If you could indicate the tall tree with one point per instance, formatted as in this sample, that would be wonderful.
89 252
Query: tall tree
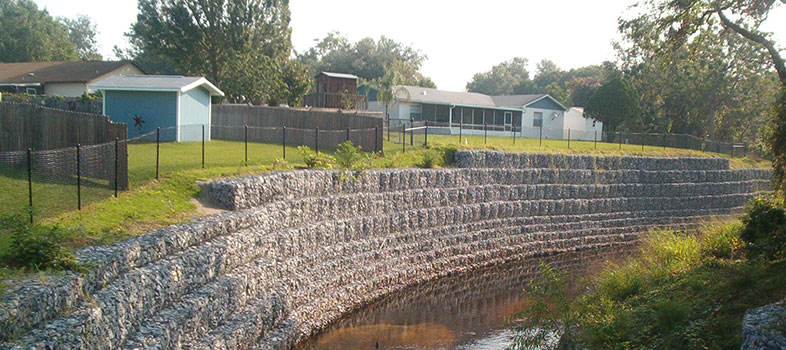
241 45
82 32
29 34
369 59
503 78
615 103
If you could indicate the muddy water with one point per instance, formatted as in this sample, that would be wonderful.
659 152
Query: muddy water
464 311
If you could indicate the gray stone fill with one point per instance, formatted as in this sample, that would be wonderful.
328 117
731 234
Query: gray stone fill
301 248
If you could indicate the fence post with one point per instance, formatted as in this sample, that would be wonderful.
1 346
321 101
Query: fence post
596 139
245 141
664 141
203 146
461 127
745 151
117 150
732 150
642 142
403 137
540 136
30 181
514 134
568 138
78 178
284 141
348 138
426 137
158 146
485 132
316 140
412 133
388 128
376 139
620 135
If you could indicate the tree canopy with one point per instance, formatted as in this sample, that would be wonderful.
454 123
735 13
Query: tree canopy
615 103
369 59
82 33
243 46
29 34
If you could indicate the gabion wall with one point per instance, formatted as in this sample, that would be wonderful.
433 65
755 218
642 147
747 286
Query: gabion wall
302 248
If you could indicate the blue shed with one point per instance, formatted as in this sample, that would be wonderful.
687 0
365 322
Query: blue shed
178 105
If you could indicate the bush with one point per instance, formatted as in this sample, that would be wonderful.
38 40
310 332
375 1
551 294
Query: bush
764 231
36 246
431 159
316 160
349 157
721 242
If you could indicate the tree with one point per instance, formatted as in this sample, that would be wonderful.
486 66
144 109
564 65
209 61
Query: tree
82 33
615 104
30 34
389 87
241 45
369 59
502 79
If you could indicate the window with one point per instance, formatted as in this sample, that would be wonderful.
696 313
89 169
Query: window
537 122
415 111
31 91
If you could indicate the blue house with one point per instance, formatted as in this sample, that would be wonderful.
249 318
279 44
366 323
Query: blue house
179 105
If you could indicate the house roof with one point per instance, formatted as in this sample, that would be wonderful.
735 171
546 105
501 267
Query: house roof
339 75
57 72
474 99
429 95
516 100
155 83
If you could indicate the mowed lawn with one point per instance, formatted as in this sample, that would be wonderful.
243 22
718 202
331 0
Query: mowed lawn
150 204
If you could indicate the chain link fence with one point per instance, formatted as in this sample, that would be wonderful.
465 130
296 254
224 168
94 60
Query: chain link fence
43 184
416 133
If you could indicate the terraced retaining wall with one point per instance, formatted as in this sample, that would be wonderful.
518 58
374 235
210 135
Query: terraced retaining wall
302 248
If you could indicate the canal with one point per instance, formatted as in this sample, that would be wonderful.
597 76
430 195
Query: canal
471 310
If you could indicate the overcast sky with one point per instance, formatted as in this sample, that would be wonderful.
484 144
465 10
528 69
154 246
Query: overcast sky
459 37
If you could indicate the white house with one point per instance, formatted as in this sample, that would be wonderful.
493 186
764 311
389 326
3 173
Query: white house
536 115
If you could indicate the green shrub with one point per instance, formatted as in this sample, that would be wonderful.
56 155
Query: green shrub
36 246
721 242
349 157
764 231
316 160
281 164
448 154
431 159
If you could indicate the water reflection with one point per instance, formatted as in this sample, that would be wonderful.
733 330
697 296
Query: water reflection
463 311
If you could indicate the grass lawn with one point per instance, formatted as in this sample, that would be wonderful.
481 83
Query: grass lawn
151 204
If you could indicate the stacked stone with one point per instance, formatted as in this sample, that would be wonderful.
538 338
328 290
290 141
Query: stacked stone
304 247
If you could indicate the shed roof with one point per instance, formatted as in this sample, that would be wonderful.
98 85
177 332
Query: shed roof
155 83
339 75
57 72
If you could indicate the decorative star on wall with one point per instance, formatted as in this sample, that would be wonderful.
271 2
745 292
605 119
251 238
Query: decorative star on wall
138 121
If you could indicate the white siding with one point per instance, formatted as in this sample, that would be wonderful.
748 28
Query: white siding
65 89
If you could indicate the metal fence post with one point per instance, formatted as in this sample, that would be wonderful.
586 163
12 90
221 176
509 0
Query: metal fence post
388 128
158 146
30 181
203 146
620 136
316 140
284 141
348 138
426 137
514 135
745 151
78 178
461 127
245 141
412 134
403 137
485 133
117 150
596 139
540 136
642 142
568 138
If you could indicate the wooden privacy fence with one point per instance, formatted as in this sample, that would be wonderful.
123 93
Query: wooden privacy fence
323 129
24 126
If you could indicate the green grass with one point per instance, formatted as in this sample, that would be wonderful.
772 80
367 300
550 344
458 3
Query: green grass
683 291
151 204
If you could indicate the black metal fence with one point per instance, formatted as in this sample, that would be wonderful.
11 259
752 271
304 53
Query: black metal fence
45 183
414 133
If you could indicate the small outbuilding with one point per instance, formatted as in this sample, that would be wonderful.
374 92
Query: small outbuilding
179 105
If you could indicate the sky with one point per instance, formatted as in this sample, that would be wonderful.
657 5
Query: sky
460 38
